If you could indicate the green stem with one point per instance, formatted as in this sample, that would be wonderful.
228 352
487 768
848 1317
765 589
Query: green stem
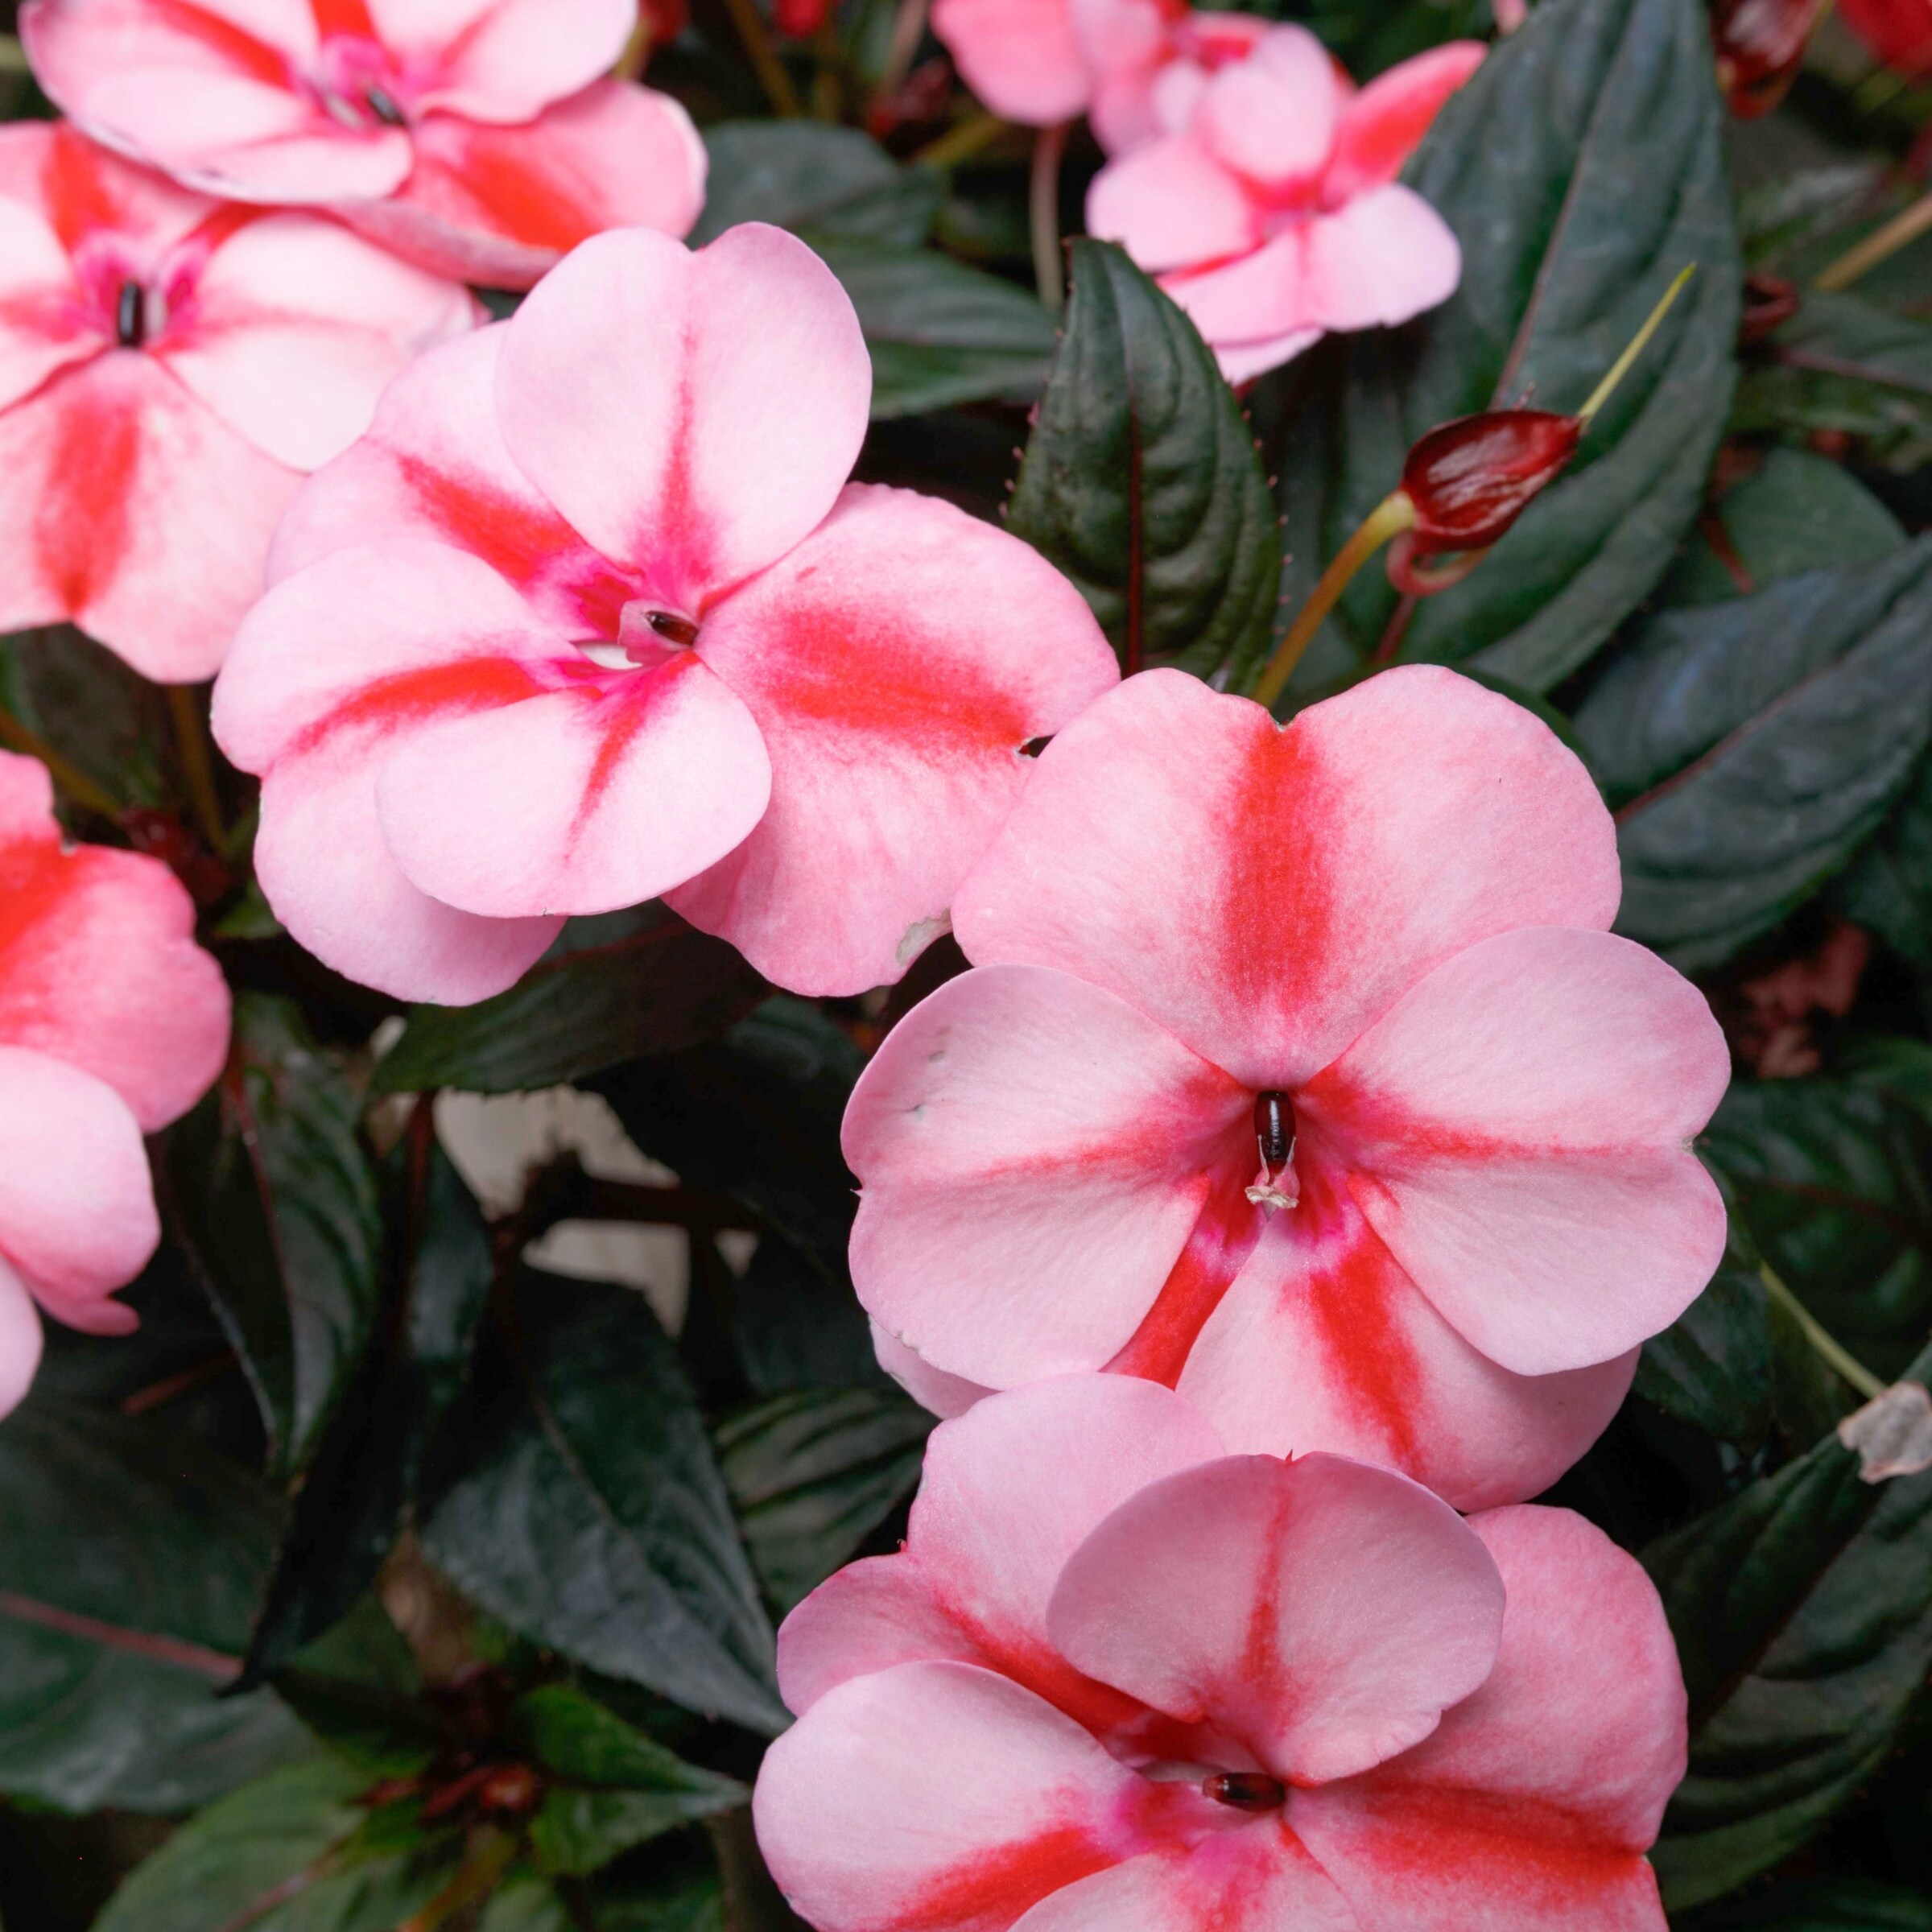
68 775
1833 1353
1878 246
1043 213
961 142
1392 516
197 763
908 29
764 64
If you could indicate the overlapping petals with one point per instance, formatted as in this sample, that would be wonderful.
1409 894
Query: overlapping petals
1392 914
1302 226
168 370
606 622
112 1022
475 137
1172 1688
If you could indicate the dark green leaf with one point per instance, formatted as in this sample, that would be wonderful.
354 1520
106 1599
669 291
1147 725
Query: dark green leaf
941 333
622 986
84 701
1802 1610
1754 746
1582 167
351 1502
275 1197
820 181
1888 888
1836 1181
681 1901
589 1515
1780 215
281 1855
615 1786
1825 1905
130 1557
526 1902
1142 481
811 1473
1711 1367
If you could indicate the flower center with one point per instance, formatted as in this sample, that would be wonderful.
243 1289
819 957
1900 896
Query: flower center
130 315
355 85
1245 1790
1278 1184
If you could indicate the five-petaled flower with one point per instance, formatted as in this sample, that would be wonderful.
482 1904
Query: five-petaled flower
1386 924
474 137
593 615
168 368
112 1022
1120 1680
1267 204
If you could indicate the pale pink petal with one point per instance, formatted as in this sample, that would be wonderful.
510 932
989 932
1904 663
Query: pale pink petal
1171 203
46 321
77 1215
1021 57
503 60
1122 112
434 466
1516 1129
500 206
128 507
1382 258
1347 1609
20 1339
297 326
98 963
939 1796
1535 1803
1243 361
1253 1877
1264 893
695 415
1323 1343
897 662
1383 125
944 1395
1034 1155
1273 117
584 800
1124 43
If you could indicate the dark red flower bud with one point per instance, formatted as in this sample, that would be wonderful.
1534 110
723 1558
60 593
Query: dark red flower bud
510 1791
1761 45
1769 300
921 97
1471 479
666 20
161 836
799 20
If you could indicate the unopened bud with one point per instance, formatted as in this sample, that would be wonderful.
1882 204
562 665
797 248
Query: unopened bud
799 20
1760 45
1471 479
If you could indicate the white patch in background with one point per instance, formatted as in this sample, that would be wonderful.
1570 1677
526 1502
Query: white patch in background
1892 1435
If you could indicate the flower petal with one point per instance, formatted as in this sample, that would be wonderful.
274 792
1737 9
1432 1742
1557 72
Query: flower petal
21 1340
1383 124
1273 117
77 1215
1516 1128
1535 1803
939 1796
1323 1343
695 415
1021 57
1379 259
44 321
1243 361
1321 1614
131 508
98 963
298 325
1034 1155
896 661
1171 203
580 800
503 60
501 205
1264 893
946 1396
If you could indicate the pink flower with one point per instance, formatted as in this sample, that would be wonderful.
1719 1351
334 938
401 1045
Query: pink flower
1381 933
1266 202
593 615
474 137
1120 1680
112 1022
167 369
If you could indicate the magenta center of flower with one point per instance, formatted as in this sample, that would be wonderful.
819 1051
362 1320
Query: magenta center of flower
355 83
1278 1185
1245 1790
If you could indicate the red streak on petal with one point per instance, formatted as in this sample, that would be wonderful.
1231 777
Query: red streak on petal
36 878
343 17
73 179
532 196
238 48
80 525
412 696
988 1893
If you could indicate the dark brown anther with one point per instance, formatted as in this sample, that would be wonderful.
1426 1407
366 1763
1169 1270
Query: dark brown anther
1245 1790
1274 1129
130 315
673 629
382 104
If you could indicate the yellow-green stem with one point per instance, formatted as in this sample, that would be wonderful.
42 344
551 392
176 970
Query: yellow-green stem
1043 213
197 763
1637 344
1878 246
1830 1351
490 1855
764 64
637 50
1390 517
68 775
961 142
908 29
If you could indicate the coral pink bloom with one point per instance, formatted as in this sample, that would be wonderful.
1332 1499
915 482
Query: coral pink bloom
1150 60
1376 937
593 615
1267 203
167 369
112 1022
474 137
1120 1680
1898 31
1021 57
